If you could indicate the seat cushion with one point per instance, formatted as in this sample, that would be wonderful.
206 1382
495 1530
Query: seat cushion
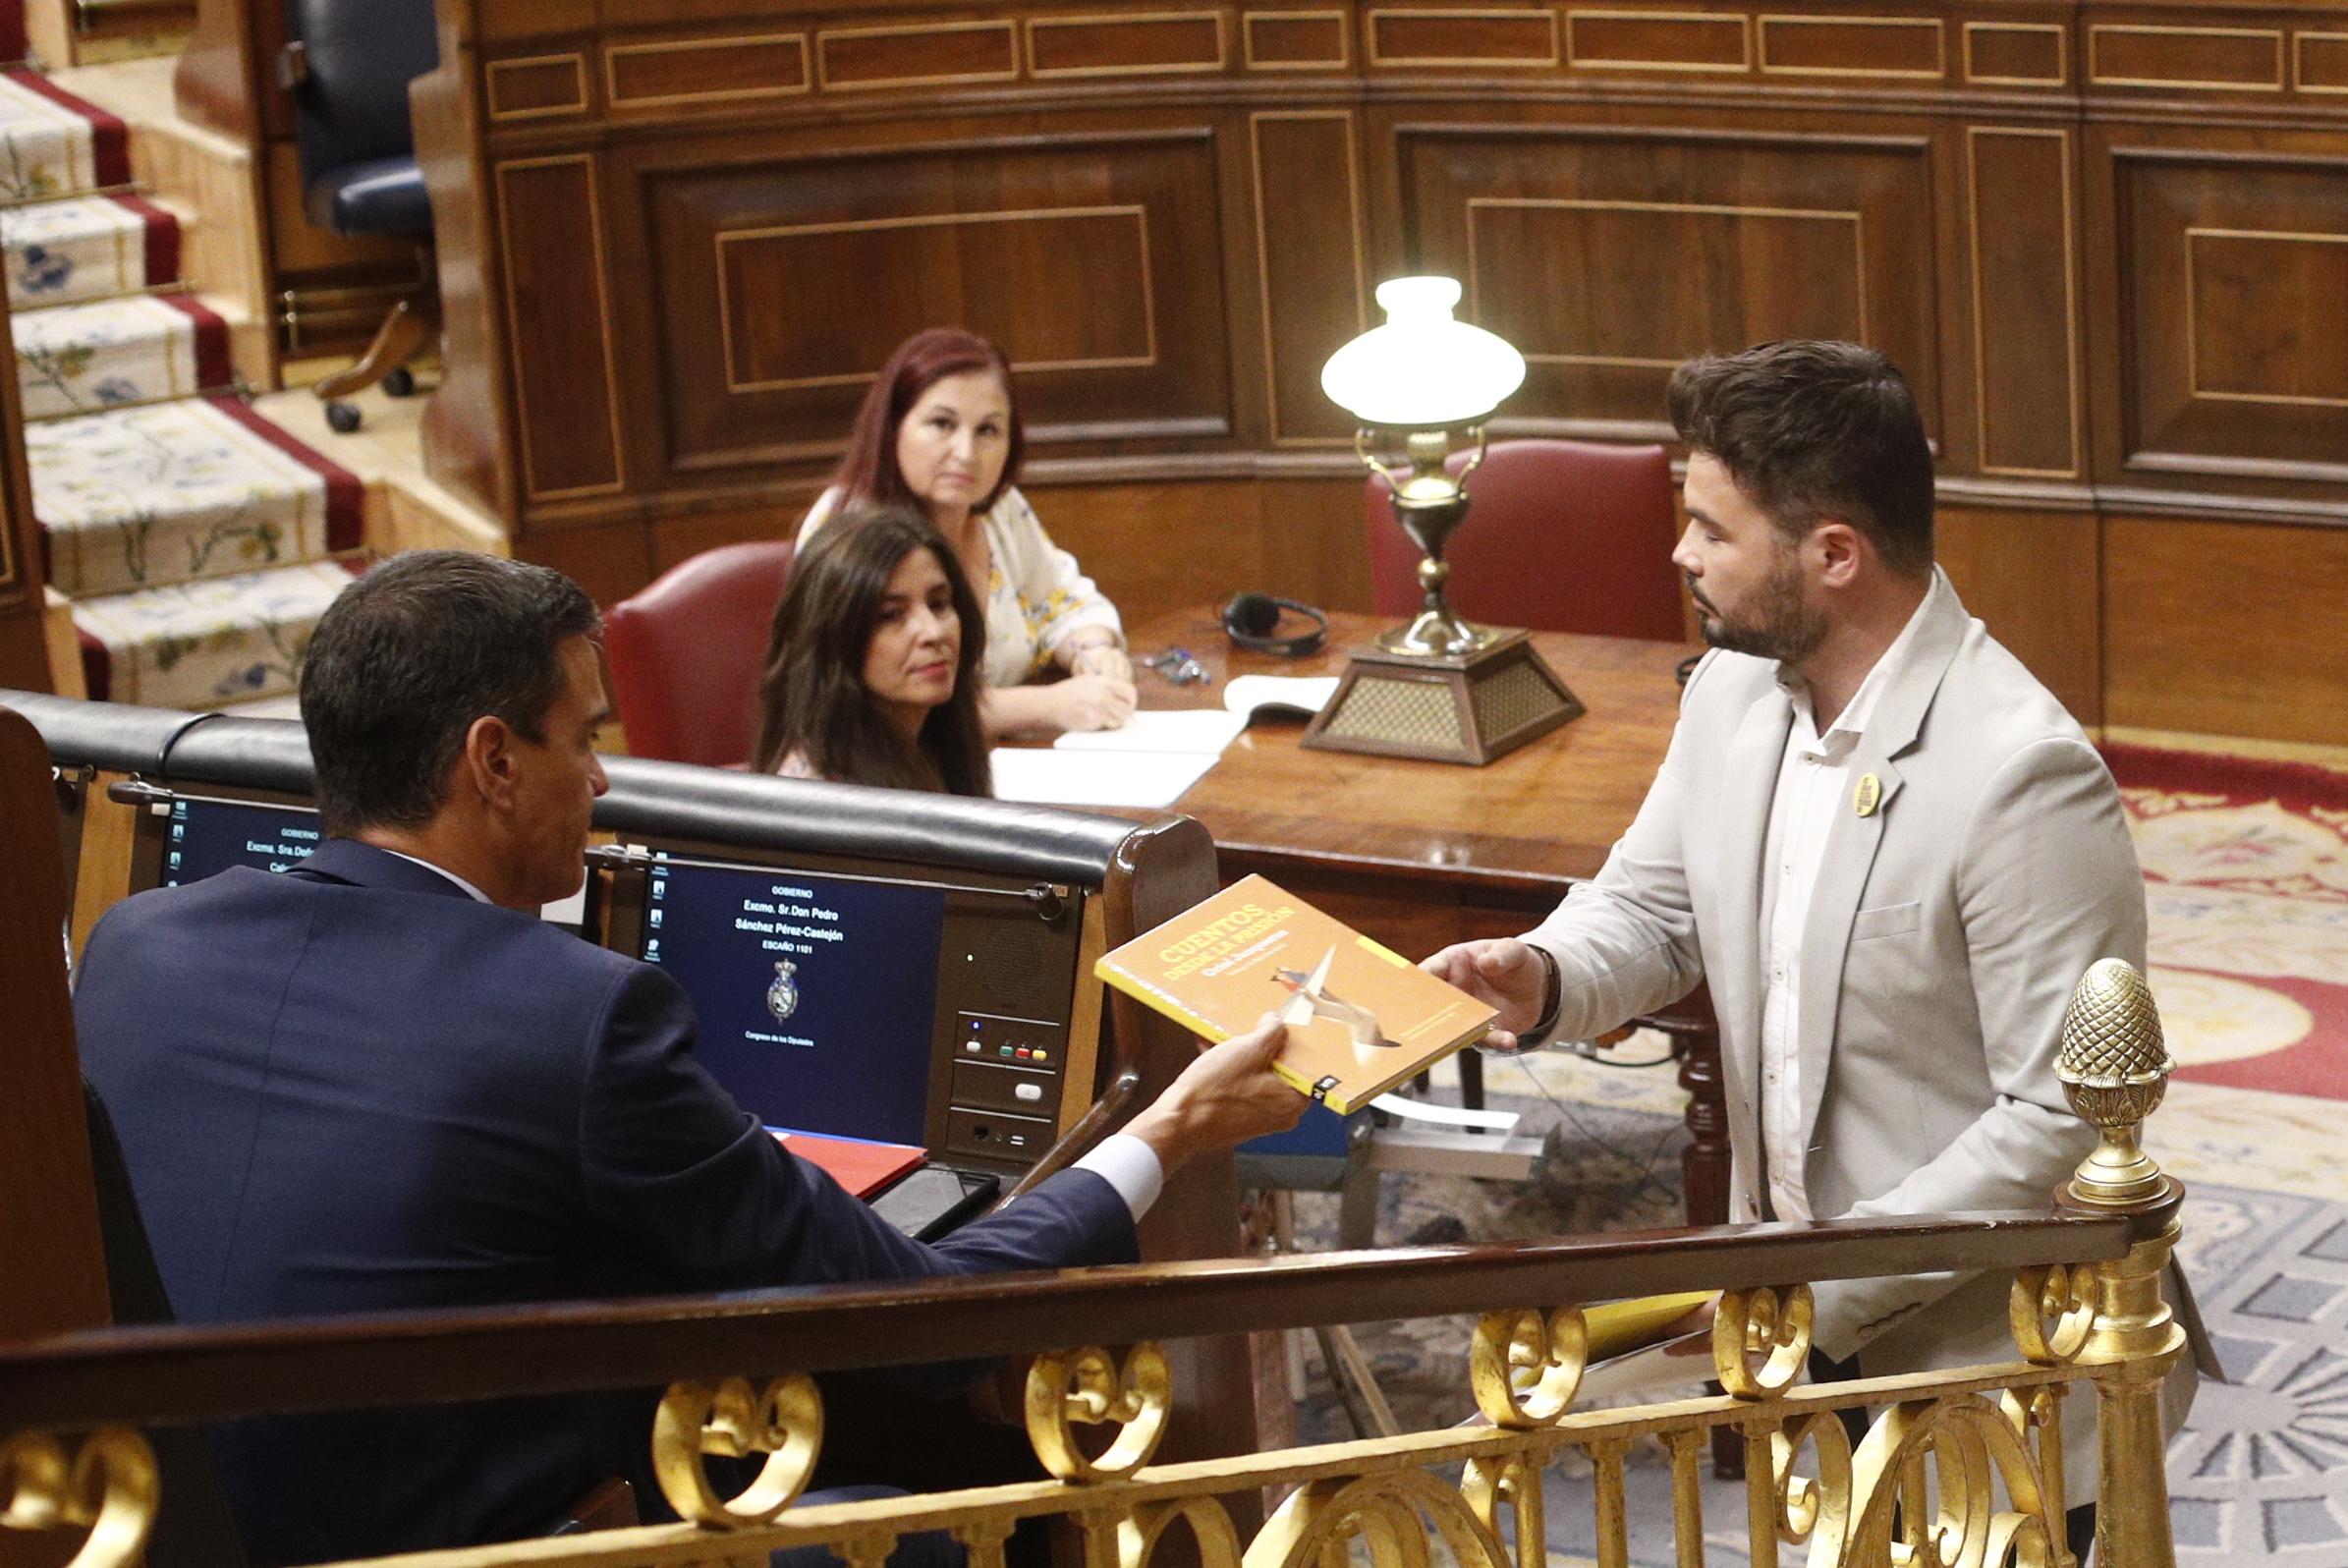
381 196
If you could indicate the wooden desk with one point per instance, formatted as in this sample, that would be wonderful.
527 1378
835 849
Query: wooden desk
1421 855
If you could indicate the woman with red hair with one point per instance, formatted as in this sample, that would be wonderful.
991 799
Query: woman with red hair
940 431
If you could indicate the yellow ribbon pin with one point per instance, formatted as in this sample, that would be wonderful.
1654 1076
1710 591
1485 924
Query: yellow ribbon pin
1867 796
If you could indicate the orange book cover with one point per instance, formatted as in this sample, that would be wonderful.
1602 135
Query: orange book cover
863 1167
1361 1018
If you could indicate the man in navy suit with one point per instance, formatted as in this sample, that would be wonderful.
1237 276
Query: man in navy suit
380 1082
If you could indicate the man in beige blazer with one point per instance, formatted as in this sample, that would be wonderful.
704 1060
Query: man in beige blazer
1883 841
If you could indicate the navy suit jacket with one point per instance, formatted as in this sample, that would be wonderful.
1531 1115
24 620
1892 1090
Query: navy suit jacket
353 1088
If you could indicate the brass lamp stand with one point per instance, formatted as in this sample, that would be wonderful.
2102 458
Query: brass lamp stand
1442 687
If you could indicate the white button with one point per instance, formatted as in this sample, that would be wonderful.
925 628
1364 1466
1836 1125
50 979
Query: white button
1028 1091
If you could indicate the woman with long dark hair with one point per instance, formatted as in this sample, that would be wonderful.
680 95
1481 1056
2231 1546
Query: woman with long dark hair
872 671
940 433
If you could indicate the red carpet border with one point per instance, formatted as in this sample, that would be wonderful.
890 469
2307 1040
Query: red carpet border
2245 877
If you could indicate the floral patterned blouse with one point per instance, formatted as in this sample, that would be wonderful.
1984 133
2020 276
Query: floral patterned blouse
1036 597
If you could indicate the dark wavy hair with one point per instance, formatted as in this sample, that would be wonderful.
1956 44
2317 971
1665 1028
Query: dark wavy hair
812 695
1816 429
868 470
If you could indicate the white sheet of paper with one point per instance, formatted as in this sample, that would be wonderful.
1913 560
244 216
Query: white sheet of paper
1198 731
1310 693
1095 778
1419 1110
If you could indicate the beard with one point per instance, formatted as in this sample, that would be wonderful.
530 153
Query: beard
1779 626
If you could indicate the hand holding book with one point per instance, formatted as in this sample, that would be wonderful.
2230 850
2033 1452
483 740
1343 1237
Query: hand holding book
1228 1096
1506 975
1360 1019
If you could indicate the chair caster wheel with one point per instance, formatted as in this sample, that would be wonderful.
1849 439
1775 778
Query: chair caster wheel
342 417
400 383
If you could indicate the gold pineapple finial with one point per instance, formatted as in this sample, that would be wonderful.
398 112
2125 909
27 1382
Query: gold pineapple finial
2114 1068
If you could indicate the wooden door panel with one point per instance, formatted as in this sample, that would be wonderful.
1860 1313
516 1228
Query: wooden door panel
1610 255
785 279
2233 271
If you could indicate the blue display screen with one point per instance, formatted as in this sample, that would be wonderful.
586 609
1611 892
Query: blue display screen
815 995
205 837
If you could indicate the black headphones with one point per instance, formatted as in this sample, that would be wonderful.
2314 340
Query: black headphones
1251 617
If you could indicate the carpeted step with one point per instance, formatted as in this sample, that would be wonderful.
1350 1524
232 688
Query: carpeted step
53 144
87 247
201 644
175 491
78 358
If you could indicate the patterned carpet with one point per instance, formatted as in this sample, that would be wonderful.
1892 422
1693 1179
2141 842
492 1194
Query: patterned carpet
2247 876
194 537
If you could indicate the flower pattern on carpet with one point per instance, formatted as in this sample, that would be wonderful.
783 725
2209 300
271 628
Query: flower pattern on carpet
166 493
83 247
2245 885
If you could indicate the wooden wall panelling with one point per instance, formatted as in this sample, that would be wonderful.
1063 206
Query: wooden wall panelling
610 560
2226 627
1658 40
1495 38
1095 256
469 438
917 55
2227 341
538 87
717 71
216 82
775 516
1314 545
2015 54
1161 545
2199 58
2021 215
1769 235
1915 49
2034 578
2319 62
1126 43
1296 40
1306 193
551 243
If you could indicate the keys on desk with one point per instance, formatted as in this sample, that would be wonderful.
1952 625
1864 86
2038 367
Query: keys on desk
1179 665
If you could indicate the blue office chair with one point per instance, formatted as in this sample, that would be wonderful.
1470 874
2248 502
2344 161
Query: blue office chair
348 66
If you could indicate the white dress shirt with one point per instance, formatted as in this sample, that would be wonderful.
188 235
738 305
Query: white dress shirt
1121 1159
1815 781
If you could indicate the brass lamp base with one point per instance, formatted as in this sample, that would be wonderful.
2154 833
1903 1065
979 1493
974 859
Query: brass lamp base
1467 708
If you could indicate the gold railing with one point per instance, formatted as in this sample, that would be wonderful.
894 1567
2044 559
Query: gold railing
1960 1467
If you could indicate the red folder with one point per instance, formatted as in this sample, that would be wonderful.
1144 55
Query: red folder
862 1165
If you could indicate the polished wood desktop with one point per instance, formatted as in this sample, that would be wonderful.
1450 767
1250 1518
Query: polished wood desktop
1420 854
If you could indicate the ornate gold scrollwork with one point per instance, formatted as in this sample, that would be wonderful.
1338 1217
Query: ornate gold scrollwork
1968 1447
1086 1386
1813 1508
783 1421
1386 1511
1138 1533
2053 1309
1525 1368
109 1489
1761 1339
1511 1482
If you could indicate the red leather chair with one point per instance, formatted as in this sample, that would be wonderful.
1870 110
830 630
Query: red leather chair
684 653
1560 537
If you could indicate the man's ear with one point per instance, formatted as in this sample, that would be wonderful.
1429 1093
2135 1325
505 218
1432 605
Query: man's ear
489 762
1840 547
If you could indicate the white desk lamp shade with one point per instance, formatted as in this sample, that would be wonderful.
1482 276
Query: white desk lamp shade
1423 371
